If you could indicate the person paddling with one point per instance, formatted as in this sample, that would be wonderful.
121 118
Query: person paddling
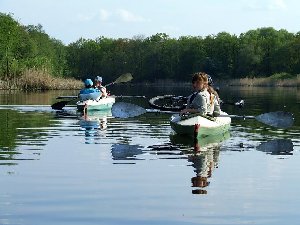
199 100
98 85
214 108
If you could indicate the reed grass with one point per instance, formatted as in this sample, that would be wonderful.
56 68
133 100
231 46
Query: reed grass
272 81
40 80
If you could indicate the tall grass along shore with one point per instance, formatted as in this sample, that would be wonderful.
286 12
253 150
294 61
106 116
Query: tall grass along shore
41 80
281 80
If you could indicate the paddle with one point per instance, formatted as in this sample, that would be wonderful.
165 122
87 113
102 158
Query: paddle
121 79
277 119
177 103
116 96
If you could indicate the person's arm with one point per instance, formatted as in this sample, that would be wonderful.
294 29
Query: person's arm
102 89
198 105
217 108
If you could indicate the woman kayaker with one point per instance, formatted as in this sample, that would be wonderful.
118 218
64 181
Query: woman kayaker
214 100
98 85
199 100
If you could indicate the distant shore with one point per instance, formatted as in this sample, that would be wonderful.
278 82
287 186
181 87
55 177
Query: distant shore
41 81
243 82
264 82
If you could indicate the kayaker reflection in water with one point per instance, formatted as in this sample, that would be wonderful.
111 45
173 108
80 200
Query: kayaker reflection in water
202 101
204 163
94 126
99 86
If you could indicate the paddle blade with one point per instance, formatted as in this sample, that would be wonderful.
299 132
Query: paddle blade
124 78
59 105
126 110
278 119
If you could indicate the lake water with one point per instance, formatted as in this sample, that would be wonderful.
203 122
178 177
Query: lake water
62 169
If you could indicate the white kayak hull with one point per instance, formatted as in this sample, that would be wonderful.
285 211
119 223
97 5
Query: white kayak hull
101 104
196 125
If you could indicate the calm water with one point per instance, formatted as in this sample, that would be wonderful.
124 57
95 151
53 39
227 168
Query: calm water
63 169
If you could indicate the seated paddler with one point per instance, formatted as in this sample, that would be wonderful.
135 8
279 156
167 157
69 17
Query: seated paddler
213 107
89 92
98 85
200 99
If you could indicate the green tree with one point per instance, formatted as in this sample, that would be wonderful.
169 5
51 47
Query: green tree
15 45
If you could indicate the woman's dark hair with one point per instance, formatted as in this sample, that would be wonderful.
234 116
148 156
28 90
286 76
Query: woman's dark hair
200 76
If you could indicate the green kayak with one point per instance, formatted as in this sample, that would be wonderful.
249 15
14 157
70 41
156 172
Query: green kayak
200 126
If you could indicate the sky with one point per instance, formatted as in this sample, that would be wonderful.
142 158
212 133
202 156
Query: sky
70 20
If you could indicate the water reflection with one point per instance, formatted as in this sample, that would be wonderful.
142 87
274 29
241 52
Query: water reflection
72 181
277 147
202 153
167 151
94 123
204 159
22 135
125 152
199 144
203 162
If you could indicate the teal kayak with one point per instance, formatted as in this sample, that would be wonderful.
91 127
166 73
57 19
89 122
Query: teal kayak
99 104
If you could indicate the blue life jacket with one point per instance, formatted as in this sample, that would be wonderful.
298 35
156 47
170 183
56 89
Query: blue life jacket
89 93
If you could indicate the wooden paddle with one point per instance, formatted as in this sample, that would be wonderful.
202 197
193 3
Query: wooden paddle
121 79
277 119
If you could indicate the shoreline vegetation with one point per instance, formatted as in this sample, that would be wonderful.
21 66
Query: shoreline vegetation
32 60
276 80
41 80
265 82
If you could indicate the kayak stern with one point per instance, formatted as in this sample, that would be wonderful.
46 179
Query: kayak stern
200 126
92 105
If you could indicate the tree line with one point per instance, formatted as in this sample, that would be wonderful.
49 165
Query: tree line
256 53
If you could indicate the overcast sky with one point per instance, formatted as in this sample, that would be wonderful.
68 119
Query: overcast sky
69 20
